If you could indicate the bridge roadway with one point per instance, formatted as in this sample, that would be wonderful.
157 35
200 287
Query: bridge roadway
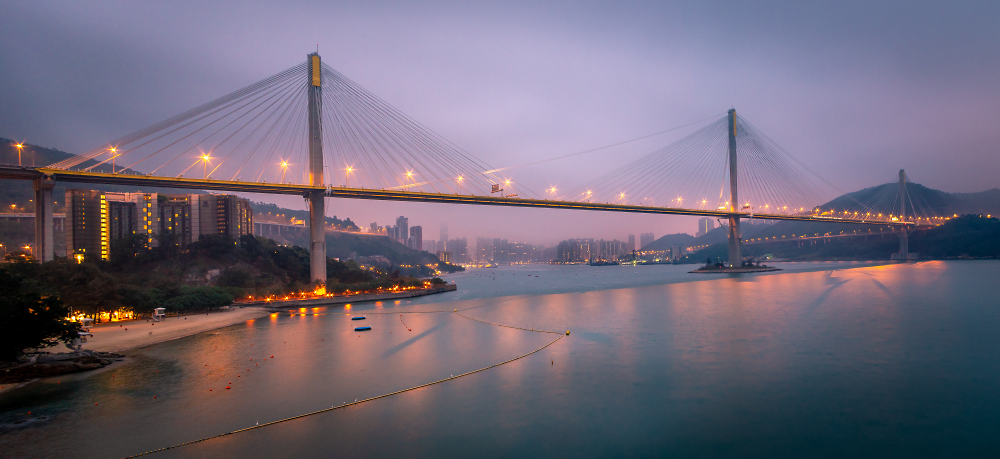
772 240
29 173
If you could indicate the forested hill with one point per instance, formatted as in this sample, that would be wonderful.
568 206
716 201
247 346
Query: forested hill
926 201
968 236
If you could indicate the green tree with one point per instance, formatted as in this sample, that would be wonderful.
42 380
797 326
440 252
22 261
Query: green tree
30 320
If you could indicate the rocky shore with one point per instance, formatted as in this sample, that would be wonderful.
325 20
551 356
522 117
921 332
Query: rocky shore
47 365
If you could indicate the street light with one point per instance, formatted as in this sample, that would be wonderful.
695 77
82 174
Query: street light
284 167
113 150
347 173
20 147
205 158
460 178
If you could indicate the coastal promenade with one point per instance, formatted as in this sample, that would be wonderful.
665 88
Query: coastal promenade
130 334
346 299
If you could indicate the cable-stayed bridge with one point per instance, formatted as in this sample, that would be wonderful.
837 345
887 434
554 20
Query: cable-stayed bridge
313 132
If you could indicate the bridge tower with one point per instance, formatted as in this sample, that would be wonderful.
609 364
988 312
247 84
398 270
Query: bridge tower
317 232
904 239
735 241
44 242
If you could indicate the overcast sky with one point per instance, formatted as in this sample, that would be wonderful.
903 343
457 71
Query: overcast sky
852 89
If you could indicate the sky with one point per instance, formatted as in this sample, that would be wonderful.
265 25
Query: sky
854 90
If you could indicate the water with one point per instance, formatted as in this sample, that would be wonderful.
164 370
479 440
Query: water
821 360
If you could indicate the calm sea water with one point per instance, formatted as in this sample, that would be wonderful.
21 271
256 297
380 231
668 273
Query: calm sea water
821 360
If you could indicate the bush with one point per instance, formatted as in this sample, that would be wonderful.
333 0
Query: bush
140 299
30 321
192 298
235 277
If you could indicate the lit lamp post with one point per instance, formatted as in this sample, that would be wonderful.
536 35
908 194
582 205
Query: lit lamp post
347 173
553 191
284 167
113 150
28 248
409 176
4 249
460 178
20 147
205 158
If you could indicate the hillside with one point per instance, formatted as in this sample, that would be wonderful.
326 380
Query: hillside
926 201
968 236
670 240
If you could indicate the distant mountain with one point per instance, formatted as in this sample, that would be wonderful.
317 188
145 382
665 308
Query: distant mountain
926 201
31 154
717 235
20 193
670 240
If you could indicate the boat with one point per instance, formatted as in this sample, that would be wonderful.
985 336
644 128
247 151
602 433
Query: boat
358 318
362 328
600 262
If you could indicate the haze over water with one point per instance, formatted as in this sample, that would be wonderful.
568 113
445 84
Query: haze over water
821 360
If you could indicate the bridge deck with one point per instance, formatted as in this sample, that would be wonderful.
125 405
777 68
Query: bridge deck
28 173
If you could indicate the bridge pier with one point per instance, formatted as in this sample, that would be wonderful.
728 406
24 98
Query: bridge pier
735 240
904 240
44 241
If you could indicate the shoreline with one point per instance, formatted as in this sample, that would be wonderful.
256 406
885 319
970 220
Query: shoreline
359 298
116 336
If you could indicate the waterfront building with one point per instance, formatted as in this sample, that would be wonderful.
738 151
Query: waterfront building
484 250
459 250
705 224
96 218
402 229
416 239
645 239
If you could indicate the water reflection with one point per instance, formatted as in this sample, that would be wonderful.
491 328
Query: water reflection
899 360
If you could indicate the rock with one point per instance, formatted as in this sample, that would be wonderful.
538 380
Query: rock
58 364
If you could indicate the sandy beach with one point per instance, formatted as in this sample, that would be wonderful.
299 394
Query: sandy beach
121 336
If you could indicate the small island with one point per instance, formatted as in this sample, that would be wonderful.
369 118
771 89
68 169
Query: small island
746 267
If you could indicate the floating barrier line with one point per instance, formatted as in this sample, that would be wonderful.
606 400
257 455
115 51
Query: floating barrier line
561 336
508 326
